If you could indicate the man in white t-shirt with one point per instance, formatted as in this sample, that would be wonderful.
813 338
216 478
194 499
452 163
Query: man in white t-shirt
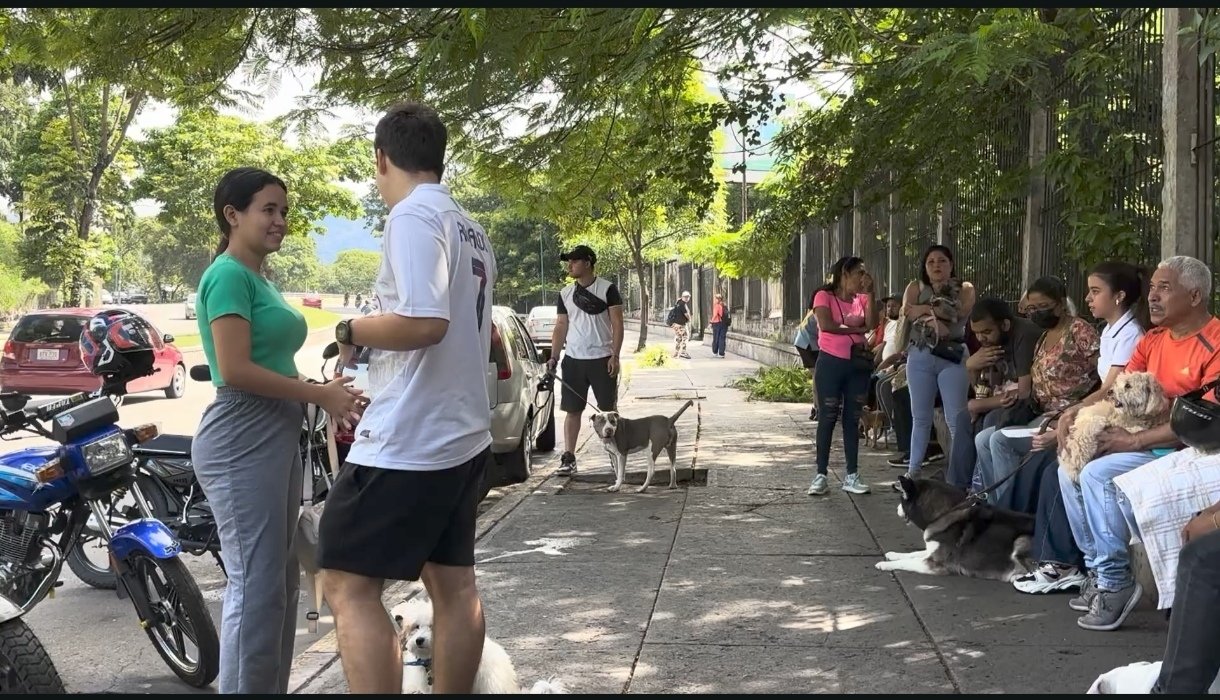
404 504
589 329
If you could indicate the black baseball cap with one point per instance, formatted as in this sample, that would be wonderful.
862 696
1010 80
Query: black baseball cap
580 252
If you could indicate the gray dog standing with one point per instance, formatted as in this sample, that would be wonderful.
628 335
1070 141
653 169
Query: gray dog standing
623 436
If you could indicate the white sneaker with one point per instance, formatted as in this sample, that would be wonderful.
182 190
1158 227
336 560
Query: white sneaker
819 487
852 484
1048 578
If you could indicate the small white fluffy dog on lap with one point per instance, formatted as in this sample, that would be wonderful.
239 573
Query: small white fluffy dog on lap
496 673
1138 403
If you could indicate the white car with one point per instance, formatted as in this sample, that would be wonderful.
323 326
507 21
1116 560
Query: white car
541 323
522 417
189 306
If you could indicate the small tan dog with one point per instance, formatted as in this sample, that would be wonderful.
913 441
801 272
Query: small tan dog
1137 403
874 427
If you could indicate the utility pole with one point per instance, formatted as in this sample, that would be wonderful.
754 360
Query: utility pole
744 145
541 270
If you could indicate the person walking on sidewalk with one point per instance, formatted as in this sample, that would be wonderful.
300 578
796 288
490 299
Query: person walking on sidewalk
589 330
245 449
679 320
404 504
806 344
720 324
845 313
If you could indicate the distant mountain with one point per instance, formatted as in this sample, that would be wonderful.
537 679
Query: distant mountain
344 234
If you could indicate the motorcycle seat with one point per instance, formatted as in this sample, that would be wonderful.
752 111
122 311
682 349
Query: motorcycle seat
165 446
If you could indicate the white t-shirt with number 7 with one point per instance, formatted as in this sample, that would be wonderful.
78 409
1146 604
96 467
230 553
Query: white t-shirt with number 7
429 407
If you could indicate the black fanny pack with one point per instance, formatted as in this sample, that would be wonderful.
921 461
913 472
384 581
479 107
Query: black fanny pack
587 301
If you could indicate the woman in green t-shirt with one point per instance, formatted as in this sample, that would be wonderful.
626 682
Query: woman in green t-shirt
246 448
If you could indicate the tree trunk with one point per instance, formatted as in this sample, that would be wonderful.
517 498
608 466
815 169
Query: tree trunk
639 273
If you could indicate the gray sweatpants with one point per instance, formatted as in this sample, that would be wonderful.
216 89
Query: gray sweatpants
247 459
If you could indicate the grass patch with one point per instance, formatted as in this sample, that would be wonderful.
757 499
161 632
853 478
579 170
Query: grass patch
653 356
782 384
316 318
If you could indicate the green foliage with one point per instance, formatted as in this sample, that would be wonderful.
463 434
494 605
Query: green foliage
354 271
212 144
653 356
785 384
16 290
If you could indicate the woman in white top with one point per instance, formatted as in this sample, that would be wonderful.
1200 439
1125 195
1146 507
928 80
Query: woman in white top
1118 295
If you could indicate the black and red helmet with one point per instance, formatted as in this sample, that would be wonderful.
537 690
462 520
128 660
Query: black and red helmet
118 345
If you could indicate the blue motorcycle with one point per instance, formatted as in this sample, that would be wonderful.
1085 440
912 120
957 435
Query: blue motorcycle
47 495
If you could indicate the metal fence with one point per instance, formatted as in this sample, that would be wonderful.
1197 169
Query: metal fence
1131 104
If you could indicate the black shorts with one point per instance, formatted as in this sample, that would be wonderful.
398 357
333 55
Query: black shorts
579 376
388 523
809 358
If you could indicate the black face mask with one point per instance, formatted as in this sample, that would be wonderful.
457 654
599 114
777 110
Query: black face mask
1045 318
892 316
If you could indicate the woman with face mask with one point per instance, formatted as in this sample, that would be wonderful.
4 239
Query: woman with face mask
1064 372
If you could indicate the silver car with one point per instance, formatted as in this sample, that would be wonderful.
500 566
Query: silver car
541 323
522 416
189 306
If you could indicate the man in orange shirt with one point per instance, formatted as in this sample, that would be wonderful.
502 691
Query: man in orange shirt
720 325
1183 352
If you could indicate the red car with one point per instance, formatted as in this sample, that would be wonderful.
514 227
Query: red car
42 356
312 302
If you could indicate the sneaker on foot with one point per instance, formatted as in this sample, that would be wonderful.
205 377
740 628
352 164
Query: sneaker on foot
901 461
1088 589
567 464
819 487
852 484
1110 608
1049 577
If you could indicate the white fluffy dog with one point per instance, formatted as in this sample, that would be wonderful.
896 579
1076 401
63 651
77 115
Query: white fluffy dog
1138 403
496 673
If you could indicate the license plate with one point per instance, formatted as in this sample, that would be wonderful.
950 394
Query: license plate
48 355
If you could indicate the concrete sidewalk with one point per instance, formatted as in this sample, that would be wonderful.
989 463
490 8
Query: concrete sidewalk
746 584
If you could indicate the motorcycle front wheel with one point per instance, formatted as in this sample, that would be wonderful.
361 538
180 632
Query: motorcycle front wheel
181 628
25 667
90 558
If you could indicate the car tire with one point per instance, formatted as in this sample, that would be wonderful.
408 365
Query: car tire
546 440
516 464
177 385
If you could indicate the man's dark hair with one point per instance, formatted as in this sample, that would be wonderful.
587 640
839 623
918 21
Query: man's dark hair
992 308
413 137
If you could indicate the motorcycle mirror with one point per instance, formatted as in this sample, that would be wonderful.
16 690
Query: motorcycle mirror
14 401
331 351
201 373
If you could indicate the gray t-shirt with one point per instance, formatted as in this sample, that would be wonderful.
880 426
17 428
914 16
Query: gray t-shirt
1019 349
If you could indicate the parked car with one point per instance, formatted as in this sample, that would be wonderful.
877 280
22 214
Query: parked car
541 323
189 306
133 297
313 302
42 356
522 418
107 298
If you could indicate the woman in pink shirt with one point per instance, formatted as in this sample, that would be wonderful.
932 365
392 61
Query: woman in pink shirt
844 312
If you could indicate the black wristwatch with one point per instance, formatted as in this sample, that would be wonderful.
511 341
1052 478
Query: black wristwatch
343 332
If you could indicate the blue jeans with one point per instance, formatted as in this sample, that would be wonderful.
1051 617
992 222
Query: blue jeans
927 373
998 455
719 331
1101 519
841 389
